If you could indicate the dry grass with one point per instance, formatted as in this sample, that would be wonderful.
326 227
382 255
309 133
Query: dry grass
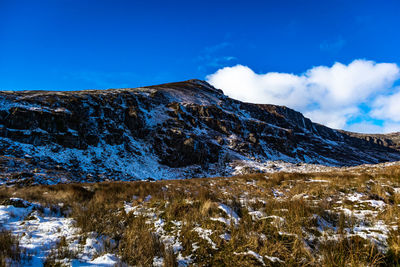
298 215
139 245
353 251
10 251
60 251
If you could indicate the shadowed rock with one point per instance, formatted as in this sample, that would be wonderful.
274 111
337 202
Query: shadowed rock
181 129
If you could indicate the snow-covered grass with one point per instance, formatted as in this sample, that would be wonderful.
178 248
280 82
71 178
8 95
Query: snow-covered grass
346 217
41 232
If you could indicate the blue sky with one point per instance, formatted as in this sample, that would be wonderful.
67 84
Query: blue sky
72 45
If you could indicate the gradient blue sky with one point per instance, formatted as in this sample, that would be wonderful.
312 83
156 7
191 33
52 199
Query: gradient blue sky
72 45
65 44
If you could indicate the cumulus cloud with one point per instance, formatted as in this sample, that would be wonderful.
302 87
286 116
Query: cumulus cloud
370 127
387 107
329 95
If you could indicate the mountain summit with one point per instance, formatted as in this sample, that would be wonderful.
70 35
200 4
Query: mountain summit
175 130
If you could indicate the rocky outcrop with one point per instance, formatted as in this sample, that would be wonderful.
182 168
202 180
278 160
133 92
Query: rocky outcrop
391 140
172 130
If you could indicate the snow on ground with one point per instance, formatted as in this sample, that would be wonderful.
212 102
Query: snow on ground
317 181
205 234
230 212
253 254
277 164
40 230
105 260
274 259
169 239
256 215
358 198
158 262
362 209
225 236
94 245
277 194
115 158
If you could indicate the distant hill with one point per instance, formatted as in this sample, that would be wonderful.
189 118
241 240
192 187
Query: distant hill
176 130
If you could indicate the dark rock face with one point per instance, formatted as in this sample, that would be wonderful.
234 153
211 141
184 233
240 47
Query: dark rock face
391 140
173 130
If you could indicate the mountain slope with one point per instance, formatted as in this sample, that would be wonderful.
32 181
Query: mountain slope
175 130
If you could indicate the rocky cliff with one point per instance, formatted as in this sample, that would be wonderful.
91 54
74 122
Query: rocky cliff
175 130
391 140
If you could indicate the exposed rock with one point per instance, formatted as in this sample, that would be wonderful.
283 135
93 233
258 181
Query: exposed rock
171 130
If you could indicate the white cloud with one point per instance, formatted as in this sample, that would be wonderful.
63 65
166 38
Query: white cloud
391 127
333 118
369 127
387 107
328 95
366 127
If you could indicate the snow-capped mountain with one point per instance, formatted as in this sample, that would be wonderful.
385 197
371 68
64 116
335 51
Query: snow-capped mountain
176 130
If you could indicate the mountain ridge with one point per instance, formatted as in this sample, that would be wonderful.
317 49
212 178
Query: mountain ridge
174 130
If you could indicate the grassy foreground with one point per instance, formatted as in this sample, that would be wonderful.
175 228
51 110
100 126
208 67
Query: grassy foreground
338 218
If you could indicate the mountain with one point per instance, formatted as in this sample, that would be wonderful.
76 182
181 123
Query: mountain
175 130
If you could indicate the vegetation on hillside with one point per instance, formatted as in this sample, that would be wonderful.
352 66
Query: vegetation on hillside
338 218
